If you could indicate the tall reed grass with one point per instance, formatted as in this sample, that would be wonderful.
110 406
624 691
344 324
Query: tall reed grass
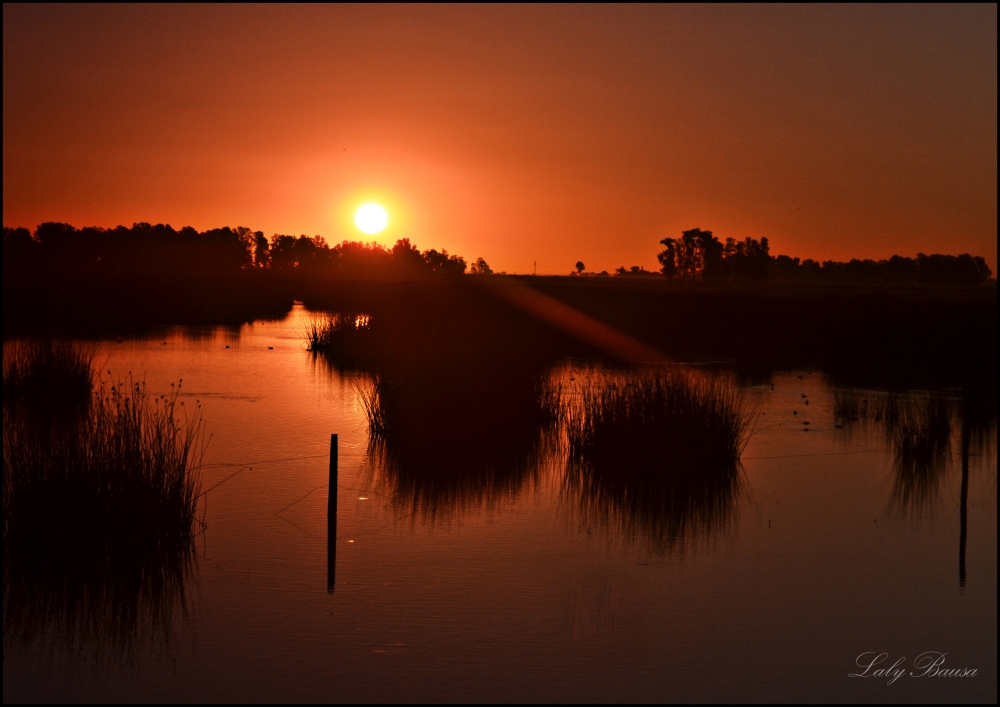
133 462
658 453
46 375
659 422
332 332
97 518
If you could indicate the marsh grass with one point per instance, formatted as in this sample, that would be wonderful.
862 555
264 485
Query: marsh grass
658 452
47 376
658 420
98 520
338 332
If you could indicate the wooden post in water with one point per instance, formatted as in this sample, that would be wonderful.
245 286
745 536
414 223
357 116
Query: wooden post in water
331 521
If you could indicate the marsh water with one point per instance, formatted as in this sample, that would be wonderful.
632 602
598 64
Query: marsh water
835 542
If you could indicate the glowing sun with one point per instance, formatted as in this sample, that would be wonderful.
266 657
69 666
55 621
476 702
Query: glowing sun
371 218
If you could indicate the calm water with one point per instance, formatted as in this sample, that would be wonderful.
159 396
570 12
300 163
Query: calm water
527 592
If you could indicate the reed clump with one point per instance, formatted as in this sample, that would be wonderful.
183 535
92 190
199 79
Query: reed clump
662 421
132 463
47 376
98 519
658 452
338 333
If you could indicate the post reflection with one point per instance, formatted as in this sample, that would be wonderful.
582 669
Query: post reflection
979 420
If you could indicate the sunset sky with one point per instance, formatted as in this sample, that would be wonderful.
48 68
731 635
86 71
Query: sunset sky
519 134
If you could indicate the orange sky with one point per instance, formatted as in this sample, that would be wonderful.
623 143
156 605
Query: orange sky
518 134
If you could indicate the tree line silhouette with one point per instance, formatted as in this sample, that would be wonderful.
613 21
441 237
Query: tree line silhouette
161 248
697 256
62 280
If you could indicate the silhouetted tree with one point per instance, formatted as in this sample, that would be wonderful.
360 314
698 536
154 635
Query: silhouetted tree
301 252
261 250
406 257
355 259
668 257
697 254
18 246
480 268
443 263
746 260
579 267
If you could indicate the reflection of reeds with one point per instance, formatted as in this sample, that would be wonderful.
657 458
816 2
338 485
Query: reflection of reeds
917 427
369 393
97 520
921 437
659 452
439 442
450 388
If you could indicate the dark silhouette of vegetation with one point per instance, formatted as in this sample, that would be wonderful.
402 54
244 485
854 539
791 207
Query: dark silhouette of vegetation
47 376
480 267
860 336
160 249
699 255
732 301
338 332
658 451
439 444
62 279
455 401
696 255
634 271
97 517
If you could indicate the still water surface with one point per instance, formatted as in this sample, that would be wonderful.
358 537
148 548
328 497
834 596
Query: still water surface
530 594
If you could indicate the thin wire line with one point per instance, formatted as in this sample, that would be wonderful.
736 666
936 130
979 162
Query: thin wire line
818 454
267 461
301 499
224 480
